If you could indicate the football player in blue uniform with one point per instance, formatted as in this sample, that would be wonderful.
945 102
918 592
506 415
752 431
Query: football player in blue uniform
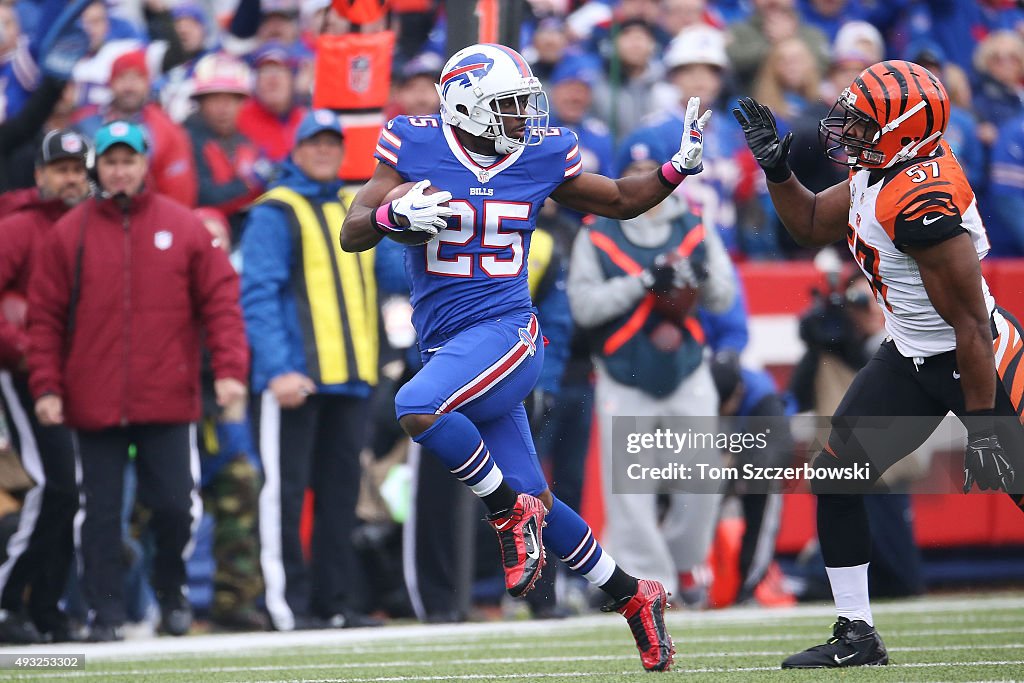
495 160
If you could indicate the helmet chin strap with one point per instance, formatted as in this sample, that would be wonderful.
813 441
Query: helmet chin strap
504 145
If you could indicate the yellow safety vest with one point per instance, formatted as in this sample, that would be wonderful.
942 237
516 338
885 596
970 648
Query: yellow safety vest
335 291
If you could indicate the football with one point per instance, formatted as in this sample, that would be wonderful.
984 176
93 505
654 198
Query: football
409 237
678 304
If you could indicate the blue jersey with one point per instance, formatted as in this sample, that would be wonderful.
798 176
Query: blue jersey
476 268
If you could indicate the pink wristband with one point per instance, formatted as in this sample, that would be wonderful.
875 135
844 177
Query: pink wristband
669 172
383 219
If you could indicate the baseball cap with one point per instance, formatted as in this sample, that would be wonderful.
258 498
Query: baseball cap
637 22
129 61
286 8
317 121
860 34
583 68
188 10
424 64
272 52
697 45
62 144
646 144
221 73
120 133
925 51
550 23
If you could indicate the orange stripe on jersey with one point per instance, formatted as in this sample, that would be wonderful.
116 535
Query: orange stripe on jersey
938 175
1018 388
1013 345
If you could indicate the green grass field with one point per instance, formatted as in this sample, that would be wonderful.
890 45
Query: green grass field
960 638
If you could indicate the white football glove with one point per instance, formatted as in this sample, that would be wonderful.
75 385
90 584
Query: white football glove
423 212
691 148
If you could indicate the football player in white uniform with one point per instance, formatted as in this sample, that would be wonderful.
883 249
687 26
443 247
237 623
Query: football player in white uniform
911 221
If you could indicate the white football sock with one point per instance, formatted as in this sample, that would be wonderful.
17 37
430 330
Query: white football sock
850 591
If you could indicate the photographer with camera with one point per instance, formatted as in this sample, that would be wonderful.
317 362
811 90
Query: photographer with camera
842 330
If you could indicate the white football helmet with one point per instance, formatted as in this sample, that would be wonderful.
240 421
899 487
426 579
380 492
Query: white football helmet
477 80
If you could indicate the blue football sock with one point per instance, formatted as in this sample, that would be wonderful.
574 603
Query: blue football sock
457 442
572 538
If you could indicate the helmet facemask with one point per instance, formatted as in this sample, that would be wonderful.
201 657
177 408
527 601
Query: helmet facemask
502 116
849 136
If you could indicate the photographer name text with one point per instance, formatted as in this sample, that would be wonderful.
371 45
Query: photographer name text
705 472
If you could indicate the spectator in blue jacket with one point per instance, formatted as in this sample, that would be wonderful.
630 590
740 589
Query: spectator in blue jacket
1006 196
311 314
999 94
572 94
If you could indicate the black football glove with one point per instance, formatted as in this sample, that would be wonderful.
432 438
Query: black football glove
985 463
660 277
758 124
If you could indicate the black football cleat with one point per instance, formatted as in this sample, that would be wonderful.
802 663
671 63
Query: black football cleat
853 643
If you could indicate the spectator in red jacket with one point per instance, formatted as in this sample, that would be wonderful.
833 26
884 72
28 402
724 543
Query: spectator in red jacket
123 287
39 554
171 165
272 116
231 168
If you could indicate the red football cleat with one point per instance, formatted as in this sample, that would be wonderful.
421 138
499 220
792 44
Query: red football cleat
645 613
522 549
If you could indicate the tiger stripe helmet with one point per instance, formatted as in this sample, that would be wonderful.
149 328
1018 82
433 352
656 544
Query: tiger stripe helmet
892 112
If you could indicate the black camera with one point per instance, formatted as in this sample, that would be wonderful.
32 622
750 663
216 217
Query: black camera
826 327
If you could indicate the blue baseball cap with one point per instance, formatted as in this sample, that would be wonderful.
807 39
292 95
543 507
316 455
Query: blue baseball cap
424 64
272 52
188 10
317 121
120 133
582 68
644 145
925 50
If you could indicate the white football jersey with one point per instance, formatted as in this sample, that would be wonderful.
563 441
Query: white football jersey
922 203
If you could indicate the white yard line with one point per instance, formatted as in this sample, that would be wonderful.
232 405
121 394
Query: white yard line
479 661
245 644
577 674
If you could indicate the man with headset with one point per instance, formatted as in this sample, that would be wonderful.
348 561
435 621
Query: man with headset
40 550
122 290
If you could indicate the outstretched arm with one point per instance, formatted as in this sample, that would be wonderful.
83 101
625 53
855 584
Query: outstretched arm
814 220
631 196
623 198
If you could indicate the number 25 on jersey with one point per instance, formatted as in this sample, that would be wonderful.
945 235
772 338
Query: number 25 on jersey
507 263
